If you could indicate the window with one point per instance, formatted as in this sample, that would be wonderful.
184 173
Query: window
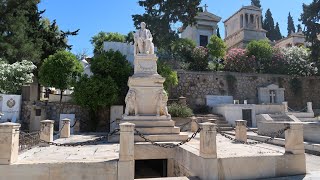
203 41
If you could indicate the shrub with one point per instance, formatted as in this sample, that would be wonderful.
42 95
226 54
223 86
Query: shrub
182 49
278 63
171 76
262 51
200 59
13 76
177 110
298 61
237 60
217 47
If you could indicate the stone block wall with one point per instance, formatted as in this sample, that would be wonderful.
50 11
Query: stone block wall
196 85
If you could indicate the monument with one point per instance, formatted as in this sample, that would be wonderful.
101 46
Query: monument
146 100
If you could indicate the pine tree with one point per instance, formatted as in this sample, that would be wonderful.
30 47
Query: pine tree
268 25
291 28
256 3
278 34
218 33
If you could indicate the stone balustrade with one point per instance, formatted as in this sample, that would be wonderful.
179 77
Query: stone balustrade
241 130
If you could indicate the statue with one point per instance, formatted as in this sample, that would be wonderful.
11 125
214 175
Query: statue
131 105
162 103
143 41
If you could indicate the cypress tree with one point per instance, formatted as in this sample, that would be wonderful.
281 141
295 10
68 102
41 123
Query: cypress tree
218 33
278 34
268 25
256 3
291 28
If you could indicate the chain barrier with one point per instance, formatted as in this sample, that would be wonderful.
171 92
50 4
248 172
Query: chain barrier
184 125
28 140
167 145
58 132
248 128
90 142
273 135
301 110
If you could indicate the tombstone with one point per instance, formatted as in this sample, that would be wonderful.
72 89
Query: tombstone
271 94
10 107
72 120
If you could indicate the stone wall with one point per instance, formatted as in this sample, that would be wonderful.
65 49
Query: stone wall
196 85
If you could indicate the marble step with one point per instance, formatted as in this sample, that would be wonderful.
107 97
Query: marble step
158 130
156 138
152 123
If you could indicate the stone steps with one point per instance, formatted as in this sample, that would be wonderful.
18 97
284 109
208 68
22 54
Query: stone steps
156 138
225 128
309 119
152 123
158 130
172 178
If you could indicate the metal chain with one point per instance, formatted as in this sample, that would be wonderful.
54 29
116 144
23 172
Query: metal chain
168 145
274 135
90 142
185 124
248 128
58 132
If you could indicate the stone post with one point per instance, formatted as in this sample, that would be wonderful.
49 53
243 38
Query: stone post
126 153
309 107
241 130
9 143
208 147
285 107
183 101
194 125
65 131
46 131
245 101
294 139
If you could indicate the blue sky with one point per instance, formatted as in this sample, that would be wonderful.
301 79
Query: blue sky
94 16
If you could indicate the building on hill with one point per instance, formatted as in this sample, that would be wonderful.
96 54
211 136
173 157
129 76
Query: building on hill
206 26
294 39
244 26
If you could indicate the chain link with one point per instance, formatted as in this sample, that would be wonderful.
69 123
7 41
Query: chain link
273 135
168 145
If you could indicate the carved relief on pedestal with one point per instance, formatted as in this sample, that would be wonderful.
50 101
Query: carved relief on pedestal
162 109
131 103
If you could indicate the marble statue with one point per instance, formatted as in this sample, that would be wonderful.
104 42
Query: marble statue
162 103
131 103
143 41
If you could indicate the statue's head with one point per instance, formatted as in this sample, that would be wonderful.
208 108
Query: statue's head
143 25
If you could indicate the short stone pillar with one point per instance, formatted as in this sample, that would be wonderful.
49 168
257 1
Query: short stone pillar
245 101
241 130
194 124
46 131
65 131
309 107
208 146
9 143
294 143
126 153
285 104
182 101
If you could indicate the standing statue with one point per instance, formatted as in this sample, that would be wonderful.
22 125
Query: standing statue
143 41
162 103
131 103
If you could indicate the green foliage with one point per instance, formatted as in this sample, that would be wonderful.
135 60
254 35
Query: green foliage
25 34
60 70
278 34
95 92
268 25
182 49
115 65
217 47
310 18
237 60
218 33
177 110
262 51
98 40
13 76
162 14
296 86
171 76
256 3
130 37
291 28
200 59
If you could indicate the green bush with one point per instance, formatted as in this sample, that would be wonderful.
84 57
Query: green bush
177 110
171 76
262 51
200 59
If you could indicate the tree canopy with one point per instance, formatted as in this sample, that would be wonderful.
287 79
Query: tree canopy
98 40
268 25
217 47
291 27
161 15
256 3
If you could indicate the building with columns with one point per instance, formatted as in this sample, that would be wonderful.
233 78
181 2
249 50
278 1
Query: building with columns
294 39
205 27
244 26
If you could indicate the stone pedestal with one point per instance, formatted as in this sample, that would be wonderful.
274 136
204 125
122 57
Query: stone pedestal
208 146
126 153
194 124
9 143
309 107
46 131
241 130
285 104
65 131
294 143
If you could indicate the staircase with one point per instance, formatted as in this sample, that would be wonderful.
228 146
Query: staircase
223 125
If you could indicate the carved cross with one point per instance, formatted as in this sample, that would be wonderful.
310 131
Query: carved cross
205 7
272 96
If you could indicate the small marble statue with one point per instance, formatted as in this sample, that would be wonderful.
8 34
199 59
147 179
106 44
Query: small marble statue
131 106
162 104
143 41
